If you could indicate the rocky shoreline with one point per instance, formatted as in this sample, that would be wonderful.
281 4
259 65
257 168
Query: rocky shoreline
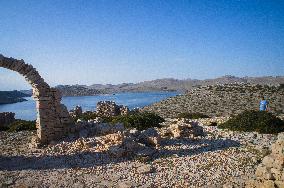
85 160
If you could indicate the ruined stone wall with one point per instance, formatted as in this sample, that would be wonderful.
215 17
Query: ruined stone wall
53 119
109 108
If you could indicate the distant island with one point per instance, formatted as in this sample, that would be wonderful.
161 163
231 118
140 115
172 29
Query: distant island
166 84
8 97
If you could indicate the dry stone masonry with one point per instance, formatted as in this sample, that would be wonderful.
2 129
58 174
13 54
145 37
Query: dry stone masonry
109 108
53 119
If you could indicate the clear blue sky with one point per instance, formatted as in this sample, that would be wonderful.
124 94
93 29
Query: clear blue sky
115 41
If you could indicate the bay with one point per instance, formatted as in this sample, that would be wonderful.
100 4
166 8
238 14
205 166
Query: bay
26 110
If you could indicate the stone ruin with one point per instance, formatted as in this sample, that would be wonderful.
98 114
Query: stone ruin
53 119
109 108
119 141
6 118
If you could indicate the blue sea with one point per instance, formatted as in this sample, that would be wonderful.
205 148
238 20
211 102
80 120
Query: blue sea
26 110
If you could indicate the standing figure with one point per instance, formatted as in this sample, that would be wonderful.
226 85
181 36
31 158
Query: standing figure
263 105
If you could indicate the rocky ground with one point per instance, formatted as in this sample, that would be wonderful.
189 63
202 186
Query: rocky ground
179 160
221 100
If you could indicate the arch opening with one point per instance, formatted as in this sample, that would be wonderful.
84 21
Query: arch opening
53 120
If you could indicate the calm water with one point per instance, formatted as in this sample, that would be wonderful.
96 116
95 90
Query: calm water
26 110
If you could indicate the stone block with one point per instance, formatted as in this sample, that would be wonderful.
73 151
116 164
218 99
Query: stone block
263 172
274 161
279 184
276 173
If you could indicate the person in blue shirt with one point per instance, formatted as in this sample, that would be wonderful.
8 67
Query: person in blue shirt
263 105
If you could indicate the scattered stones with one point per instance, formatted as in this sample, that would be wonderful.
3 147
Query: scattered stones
124 159
270 172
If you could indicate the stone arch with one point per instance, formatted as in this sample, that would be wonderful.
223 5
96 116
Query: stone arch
53 119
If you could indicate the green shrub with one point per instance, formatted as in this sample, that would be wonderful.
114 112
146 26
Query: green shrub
140 121
22 125
86 116
188 115
4 128
259 121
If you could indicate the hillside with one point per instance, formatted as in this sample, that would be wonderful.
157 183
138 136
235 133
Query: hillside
166 84
77 90
171 84
221 100
8 97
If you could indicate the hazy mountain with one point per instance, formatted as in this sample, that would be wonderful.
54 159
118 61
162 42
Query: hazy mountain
171 84
166 84
77 90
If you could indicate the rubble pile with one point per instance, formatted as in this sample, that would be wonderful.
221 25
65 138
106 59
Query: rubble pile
270 172
184 128
110 108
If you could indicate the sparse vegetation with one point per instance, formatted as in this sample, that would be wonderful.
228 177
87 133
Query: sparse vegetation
140 121
86 116
259 121
21 125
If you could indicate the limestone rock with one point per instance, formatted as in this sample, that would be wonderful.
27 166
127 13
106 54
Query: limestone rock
185 128
273 161
279 184
126 184
145 169
264 172
150 137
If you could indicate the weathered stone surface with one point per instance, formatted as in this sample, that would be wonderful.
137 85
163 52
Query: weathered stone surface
145 169
264 173
185 128
150 137
279 184
273 161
